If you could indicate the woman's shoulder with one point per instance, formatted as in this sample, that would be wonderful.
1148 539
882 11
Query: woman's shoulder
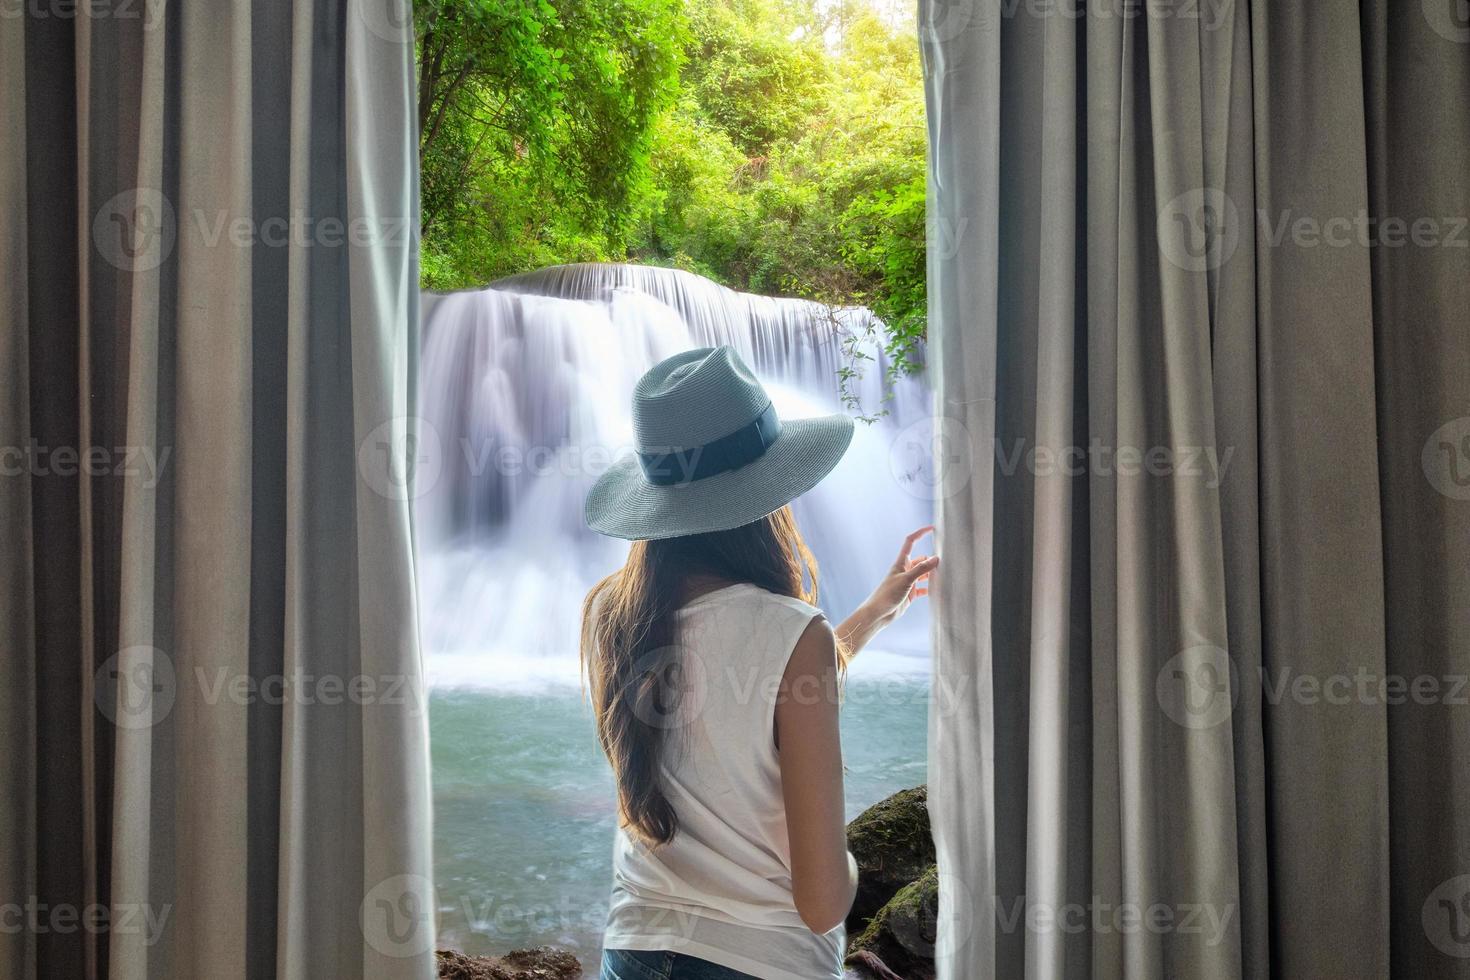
745 624
753 607
798 608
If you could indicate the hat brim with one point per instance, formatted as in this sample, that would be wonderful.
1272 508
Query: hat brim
623 504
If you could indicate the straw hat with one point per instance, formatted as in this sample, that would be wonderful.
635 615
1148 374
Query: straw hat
712 454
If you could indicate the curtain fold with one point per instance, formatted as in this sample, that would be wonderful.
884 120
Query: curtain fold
1204 437
18 822
212 675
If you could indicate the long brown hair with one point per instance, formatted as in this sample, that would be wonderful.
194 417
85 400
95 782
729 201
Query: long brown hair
629 647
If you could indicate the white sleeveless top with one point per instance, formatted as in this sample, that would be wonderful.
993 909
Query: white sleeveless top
721 889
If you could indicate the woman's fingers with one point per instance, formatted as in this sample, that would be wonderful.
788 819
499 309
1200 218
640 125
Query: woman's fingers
908 546
917 575
920 567
909 574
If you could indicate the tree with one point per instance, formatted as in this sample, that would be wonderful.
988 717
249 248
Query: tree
776 146
528 102
815 119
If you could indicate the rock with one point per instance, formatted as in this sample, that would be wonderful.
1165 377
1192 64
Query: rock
898 942
541 963
869 966
893 847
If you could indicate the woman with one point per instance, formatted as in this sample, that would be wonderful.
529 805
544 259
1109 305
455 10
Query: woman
714 682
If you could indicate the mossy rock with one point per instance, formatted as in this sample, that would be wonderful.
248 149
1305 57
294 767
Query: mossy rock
899 940
541 963
892 845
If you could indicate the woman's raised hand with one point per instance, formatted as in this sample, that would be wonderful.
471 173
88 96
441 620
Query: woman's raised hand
906 578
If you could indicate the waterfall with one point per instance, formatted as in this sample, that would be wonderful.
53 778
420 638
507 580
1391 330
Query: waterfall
525 388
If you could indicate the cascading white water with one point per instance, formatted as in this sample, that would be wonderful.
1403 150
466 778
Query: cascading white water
525 389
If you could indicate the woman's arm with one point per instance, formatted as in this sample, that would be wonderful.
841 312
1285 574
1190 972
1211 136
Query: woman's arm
891 597
823 875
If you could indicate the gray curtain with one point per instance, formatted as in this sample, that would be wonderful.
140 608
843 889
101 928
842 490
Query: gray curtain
1200 322
213 708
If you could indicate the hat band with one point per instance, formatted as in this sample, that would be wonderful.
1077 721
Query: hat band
743 446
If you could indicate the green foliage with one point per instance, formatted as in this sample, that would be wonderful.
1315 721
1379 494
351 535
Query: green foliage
757 69
536 121
776 146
